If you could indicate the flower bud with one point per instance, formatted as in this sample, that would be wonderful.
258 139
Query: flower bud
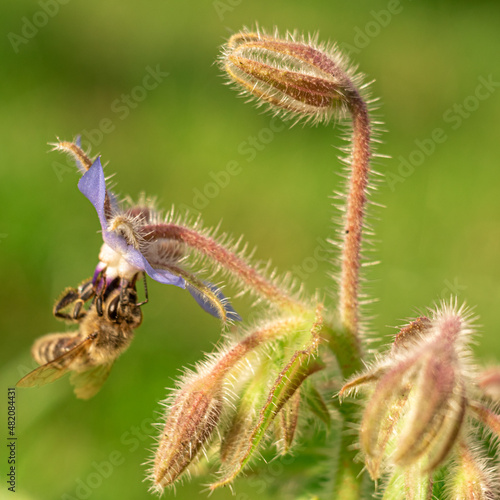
419 400
292 76
193 416
411 333
425 396
198 405
436 412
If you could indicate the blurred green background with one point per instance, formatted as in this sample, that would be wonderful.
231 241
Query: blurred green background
438 235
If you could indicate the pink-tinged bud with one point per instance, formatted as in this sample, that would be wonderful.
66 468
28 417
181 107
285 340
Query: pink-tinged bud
415 413
382 414
197 406
471 478
193 416
489 382
418 405
437 397
411 334
296 77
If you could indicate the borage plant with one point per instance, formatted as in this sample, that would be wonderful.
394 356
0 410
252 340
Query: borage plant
426 413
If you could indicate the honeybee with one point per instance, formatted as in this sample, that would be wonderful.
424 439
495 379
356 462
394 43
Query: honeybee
105 330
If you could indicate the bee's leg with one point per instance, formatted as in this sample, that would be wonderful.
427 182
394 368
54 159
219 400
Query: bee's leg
68 297
75 297
100 289
124 297
146 300
87 291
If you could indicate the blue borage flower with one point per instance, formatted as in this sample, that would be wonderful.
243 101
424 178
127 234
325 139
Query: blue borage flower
93 186
125 253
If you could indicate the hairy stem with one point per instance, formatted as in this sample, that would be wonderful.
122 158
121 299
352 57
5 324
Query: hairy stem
355 212
236 265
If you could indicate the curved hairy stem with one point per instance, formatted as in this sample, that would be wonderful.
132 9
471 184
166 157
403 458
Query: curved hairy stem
237 266
304 81
355 212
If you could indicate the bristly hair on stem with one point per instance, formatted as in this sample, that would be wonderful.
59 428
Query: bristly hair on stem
303 80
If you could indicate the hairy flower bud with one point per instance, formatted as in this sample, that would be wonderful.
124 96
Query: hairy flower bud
419 401
436 412
411 334
196 408
193 416
296 77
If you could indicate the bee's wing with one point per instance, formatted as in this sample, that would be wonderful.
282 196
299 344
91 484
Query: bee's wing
88 383
57 367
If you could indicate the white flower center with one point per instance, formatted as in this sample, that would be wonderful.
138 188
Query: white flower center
116 265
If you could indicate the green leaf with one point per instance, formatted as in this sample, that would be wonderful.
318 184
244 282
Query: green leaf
286 423
302 364
316 403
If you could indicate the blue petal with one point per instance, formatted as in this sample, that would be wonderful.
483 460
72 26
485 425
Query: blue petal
134 257
93 186
208 307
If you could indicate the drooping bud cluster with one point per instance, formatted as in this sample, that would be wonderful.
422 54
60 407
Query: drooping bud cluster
419 394
269 391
